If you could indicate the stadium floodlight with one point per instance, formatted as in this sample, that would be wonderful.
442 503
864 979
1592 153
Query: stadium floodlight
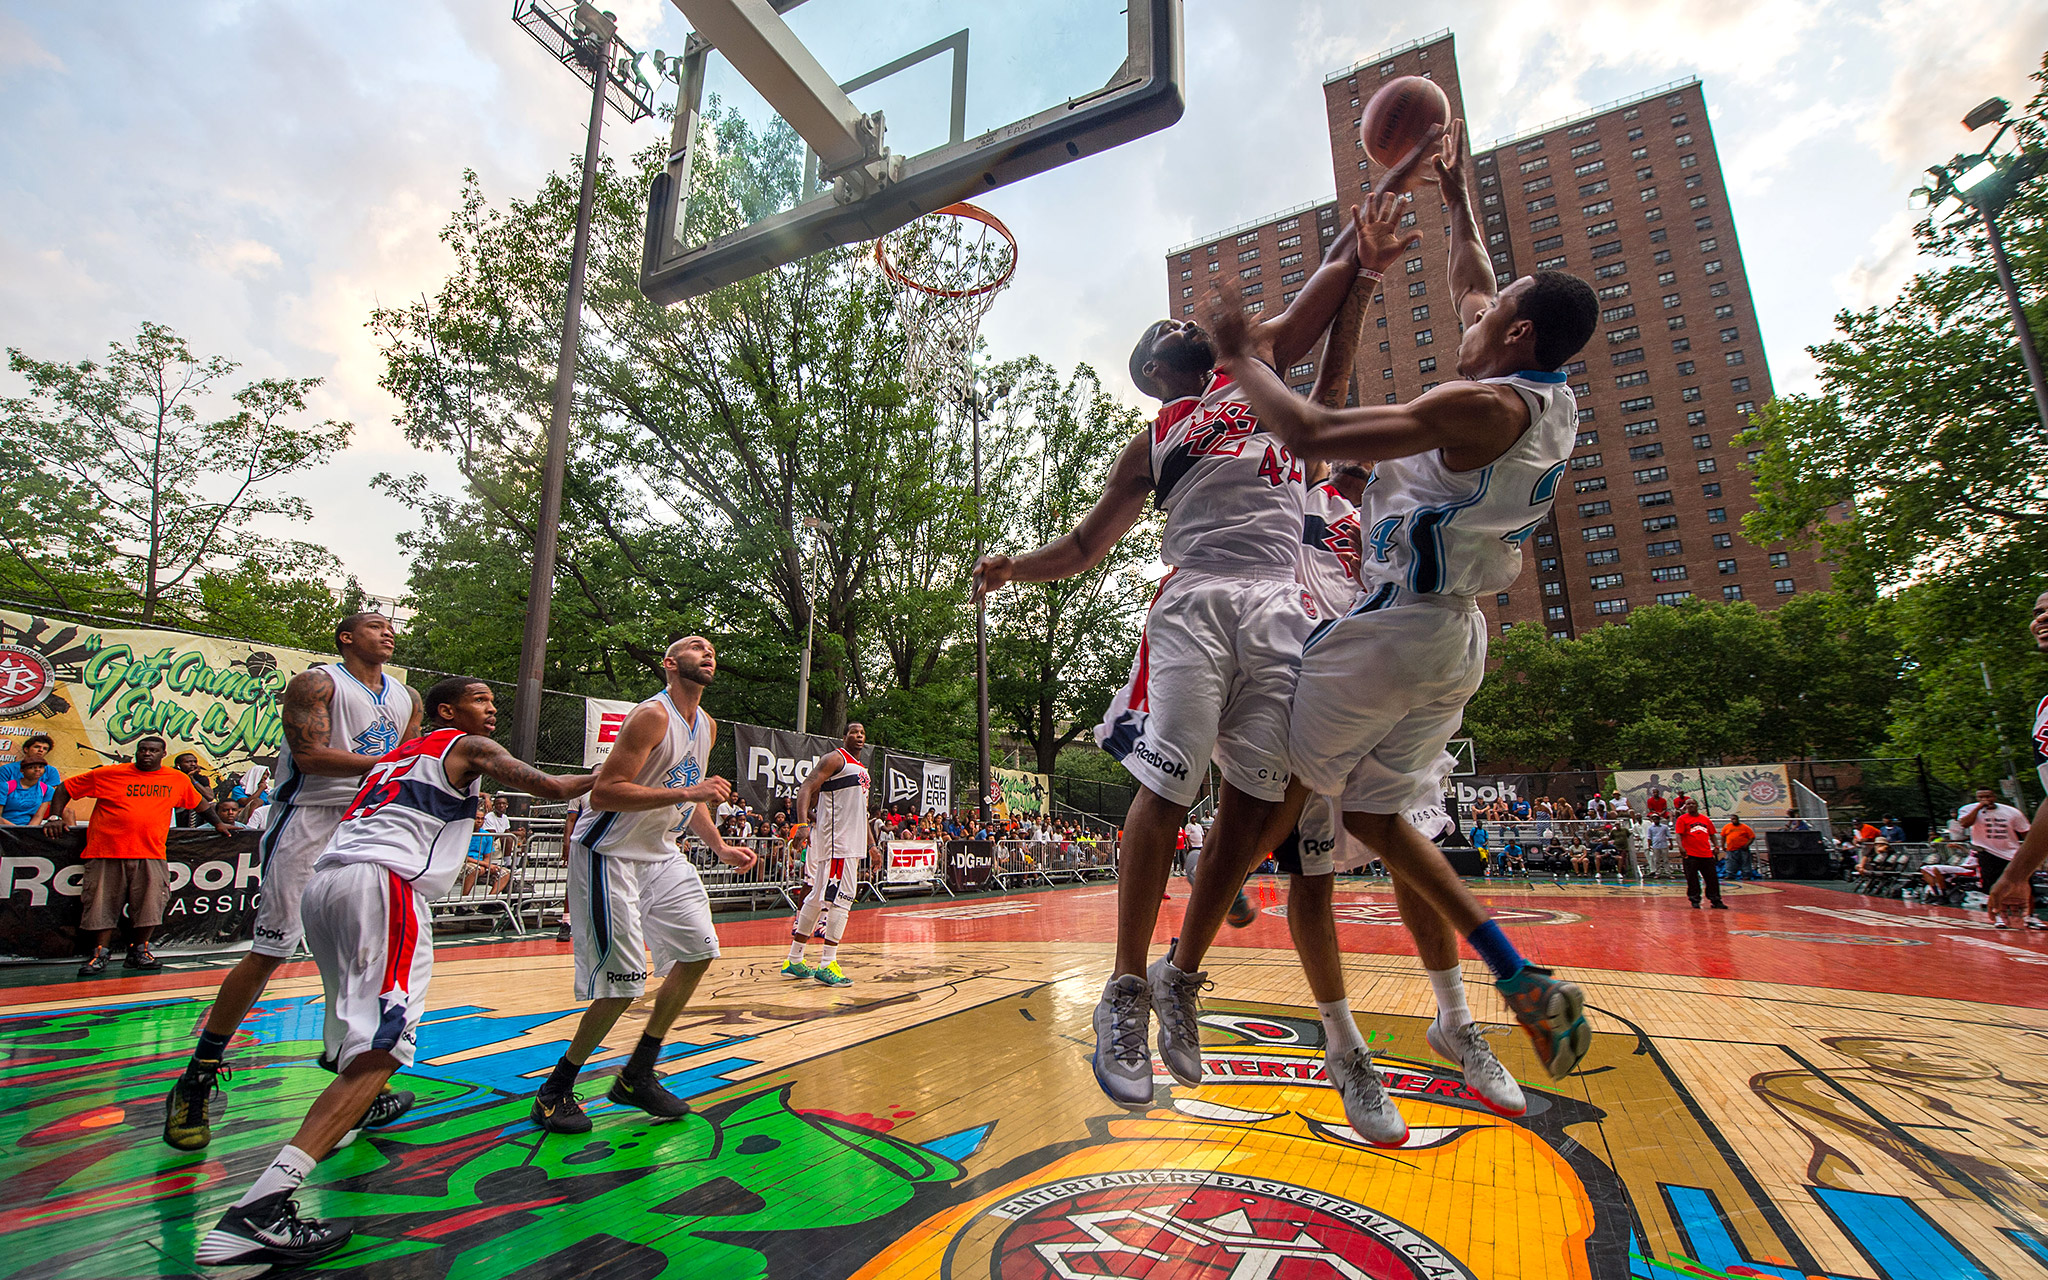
1977 179
1989 111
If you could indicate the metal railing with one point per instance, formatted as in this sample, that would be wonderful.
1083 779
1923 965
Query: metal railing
1053 862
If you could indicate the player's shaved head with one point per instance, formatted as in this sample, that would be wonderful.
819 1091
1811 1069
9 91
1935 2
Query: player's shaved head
692 658
685 643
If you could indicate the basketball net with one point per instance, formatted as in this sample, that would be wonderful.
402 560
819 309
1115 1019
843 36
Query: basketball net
946 269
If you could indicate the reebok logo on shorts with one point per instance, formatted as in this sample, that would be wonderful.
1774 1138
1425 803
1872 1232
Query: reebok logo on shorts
626 977
1146 753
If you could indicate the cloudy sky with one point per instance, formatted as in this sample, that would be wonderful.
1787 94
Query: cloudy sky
258 174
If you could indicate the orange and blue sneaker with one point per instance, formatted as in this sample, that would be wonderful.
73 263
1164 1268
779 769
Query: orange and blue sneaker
1553 1012
1241 913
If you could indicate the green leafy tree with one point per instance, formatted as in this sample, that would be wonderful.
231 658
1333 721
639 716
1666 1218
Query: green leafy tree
1058 651
140 494
1922 454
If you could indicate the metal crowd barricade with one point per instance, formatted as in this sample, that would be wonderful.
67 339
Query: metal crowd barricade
474 897
540 885
777 870
1053 862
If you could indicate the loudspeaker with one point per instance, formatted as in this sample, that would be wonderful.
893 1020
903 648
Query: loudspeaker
1466 862
1793 842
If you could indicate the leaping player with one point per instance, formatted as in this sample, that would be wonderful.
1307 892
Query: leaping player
1464 475
838 787
632 893
1214 673
339 718
400 845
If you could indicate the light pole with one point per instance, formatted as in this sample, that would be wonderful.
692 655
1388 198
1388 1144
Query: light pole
976 406
1987 183
803 675
584 44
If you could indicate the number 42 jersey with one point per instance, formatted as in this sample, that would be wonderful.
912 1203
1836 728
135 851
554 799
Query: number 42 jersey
1435 531
1230 490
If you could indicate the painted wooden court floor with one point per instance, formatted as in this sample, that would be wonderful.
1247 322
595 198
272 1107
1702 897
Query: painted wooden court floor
1808 1084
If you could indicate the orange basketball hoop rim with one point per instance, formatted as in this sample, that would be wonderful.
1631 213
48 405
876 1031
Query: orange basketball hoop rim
897 274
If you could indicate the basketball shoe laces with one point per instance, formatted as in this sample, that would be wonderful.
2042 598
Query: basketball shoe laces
1475 1055
1360 1078
1186 1005
289 1230
1128 1039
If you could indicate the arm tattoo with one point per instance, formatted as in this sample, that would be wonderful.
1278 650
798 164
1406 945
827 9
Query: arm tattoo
307 725
491 759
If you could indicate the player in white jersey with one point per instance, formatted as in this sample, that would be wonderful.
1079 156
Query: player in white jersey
837 787
2011 895
338 719
1463 476
633 893
1215 668
399 845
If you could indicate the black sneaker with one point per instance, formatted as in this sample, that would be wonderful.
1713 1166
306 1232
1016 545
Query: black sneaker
141 957
268 1231
95 964
559 1113
186 1125
646 1092
390 1106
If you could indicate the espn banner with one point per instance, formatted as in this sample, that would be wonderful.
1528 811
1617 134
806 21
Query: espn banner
911 862
96 690
215 883
1019 793
913 784
773 763
602 719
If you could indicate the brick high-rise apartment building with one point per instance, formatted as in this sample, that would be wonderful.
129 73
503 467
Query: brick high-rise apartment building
1630 198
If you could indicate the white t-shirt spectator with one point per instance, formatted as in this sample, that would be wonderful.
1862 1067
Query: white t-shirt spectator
1997 830
1621 806
1195 836
257 819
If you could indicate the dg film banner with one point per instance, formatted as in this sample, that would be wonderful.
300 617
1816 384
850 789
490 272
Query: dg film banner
1744 790
773 763
95 690
1020 792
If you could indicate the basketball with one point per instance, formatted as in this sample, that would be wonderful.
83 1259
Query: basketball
1399 116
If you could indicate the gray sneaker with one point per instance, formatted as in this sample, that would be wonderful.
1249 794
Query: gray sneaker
1372 1114
1467 1049
1177 1003
1123 1060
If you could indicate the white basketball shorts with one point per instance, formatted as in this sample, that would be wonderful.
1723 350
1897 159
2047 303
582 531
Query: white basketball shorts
1382 690
295 837
624 911
370 934
1212 680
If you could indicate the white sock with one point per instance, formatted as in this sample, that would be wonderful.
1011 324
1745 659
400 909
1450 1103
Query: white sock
1340 1029
831 955
285 1173
796 952
1449 984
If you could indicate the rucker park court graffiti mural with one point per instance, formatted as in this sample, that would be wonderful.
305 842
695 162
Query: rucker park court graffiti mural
1753 1107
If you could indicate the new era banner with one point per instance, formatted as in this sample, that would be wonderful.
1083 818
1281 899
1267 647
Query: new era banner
773 763
914 784
95 690
602 718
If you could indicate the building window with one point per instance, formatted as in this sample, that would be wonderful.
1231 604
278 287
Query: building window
1249 237
1540 204
1705 465
1661 257
1610 292
1547 540
1500 600
1669 573
1673 324
1550 264
1585 148
1641 404
1717 515
1606 250
1657 524
1418 289
1723 541
1289 259
1248 255
1638 153
1595 210
1636 379
1685 368
1187 291
1661 498
1704 223
1724 566
1718 290
1635 135
1592 189
1653 215
1673 597
1623 312
1548 242
1426 365
1733 357
1249 273
1591 166
1387 374
1599 229
1644 428
1671 548
1186 274
1733 591
1689 393
1688 162
1610 606
1302 370
1713 267
1606 581
1545 224
1632 356
1293 277
1651 475
1290 242
1730 335
1553 588
1712 490
1606 556
1423 337
1784 586
1536 184
1253 308
1554 613
1596 533
1643 451
1590 509
1214 265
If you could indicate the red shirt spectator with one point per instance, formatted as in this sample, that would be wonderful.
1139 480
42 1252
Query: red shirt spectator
1657 804
1695 836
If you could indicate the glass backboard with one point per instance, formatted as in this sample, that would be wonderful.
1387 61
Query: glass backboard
970 95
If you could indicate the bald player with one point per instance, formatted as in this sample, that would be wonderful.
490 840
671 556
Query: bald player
636 904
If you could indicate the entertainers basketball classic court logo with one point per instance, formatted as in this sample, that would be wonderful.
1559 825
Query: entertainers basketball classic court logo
26 680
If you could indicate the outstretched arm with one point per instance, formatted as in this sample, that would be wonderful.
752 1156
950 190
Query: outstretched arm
1121 503
307 725
477 754
52 810
1473 286
1293 333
